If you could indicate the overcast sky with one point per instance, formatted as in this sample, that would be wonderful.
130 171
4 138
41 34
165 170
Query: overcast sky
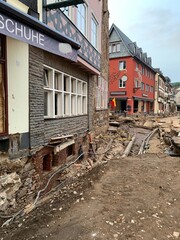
155 26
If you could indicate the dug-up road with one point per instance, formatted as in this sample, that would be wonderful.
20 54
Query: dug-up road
132 198
127 198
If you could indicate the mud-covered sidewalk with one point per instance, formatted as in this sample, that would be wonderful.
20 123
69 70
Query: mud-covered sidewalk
115 197
131 198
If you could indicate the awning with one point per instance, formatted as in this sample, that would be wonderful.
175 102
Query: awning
143 98
119 98
23 27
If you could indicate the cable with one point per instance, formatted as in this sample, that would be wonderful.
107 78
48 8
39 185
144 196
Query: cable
11 218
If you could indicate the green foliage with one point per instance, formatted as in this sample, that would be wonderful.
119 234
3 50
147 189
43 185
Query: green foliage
175 84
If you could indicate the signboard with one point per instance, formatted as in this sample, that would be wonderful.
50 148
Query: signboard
118 93
22 32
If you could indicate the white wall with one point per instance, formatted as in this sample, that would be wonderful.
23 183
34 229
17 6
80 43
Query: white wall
18 5
18 87
24 8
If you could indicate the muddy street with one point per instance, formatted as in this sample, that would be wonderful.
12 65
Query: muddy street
134 198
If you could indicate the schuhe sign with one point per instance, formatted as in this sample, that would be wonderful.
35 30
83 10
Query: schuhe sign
22 32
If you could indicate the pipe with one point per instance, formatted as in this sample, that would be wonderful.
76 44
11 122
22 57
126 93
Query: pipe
129 146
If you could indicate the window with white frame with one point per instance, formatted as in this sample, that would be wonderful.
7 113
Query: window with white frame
137 66
101 93
64 95
82 18
142 86
115 47
110 49
122 65
122 83
94 32
152 89
136 83
118 47
147 87
143 70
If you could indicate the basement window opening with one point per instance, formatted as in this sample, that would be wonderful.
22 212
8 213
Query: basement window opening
70 150
47 163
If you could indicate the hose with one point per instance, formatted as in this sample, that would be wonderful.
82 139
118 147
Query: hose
22 211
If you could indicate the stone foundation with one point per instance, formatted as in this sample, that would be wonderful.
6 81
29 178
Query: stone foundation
22 178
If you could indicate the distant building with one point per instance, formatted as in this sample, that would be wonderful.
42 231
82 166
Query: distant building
131 75
170 103
160 93
177 99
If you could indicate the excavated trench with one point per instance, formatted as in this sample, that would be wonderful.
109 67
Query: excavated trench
151 135
114 145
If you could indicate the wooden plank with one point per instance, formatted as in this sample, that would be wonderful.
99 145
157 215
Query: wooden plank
61 137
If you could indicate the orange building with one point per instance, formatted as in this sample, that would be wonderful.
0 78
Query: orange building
131 75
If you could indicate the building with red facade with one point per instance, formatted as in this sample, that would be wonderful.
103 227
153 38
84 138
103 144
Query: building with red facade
131 75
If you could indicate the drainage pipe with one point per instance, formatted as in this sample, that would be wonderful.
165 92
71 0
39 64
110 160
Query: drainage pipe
129 146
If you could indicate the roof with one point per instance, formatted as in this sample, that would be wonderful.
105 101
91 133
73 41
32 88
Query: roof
132 47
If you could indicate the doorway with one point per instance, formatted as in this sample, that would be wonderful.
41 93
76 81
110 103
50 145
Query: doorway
123 105
135 106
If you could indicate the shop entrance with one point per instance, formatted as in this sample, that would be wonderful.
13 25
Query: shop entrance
123 105
135 106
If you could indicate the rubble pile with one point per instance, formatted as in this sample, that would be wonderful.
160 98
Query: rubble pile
17 182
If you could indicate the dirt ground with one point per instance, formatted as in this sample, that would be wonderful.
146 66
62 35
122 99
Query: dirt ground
136 197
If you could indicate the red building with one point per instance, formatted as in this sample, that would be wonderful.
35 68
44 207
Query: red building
131 75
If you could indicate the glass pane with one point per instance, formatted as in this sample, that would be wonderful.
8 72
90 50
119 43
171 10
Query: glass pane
81 21
94 32
46 79
73 85
56 104
73 105
2 101
45 104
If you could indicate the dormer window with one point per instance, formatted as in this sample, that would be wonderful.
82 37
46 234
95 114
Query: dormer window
115 47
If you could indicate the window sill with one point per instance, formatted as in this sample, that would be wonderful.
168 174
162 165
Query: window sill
63 117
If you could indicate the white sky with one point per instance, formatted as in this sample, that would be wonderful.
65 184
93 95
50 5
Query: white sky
155 26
